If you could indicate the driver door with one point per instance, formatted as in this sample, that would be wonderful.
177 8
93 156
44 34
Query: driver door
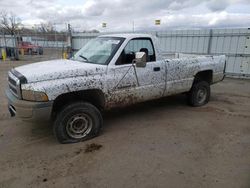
131 84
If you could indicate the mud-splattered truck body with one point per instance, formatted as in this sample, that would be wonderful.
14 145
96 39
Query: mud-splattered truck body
109 71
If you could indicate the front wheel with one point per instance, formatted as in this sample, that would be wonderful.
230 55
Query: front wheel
77 122
199 94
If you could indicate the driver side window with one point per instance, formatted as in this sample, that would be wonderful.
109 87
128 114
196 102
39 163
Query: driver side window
136 45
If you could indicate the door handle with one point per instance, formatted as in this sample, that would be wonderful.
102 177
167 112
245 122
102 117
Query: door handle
157 69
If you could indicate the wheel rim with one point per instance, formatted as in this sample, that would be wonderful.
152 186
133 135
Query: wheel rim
201 95
79 125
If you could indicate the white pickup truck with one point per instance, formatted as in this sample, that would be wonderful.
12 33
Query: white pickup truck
109 71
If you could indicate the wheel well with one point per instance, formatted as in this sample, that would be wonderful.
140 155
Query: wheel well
93 96
206 75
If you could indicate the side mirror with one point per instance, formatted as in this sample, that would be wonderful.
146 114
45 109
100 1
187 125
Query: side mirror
140 59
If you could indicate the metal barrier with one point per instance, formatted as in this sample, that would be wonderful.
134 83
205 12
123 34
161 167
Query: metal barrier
233 42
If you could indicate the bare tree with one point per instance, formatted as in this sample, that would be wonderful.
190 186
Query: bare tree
49 32
9 22
46 27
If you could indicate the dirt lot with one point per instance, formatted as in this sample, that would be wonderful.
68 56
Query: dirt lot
162 143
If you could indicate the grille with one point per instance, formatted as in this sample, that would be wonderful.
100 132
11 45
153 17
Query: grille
14 84
11 81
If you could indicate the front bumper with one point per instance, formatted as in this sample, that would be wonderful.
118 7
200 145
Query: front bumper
27 110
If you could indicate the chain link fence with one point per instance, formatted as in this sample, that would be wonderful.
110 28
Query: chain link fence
25 46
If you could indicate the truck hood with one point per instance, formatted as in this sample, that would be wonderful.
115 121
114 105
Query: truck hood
58 69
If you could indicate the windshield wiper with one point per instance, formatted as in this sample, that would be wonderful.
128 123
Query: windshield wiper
86 59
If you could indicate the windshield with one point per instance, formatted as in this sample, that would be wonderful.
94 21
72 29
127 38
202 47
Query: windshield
99 50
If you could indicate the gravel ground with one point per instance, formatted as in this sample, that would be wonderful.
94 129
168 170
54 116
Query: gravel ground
161 143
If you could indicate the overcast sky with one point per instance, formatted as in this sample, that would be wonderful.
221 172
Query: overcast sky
120 14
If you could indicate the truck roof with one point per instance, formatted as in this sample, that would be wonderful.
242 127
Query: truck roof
127 35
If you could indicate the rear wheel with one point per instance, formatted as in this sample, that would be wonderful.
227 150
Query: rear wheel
77 122
40 51
30 51
199 93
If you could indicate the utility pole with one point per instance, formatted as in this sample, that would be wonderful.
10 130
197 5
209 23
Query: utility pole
69 36
55 39
69 46
133 26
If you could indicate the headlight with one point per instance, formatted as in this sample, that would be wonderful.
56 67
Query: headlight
34 96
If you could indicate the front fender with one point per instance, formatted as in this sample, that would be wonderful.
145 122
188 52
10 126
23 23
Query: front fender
54 88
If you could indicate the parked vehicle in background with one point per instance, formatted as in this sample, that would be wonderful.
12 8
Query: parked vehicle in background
30 48
109 71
